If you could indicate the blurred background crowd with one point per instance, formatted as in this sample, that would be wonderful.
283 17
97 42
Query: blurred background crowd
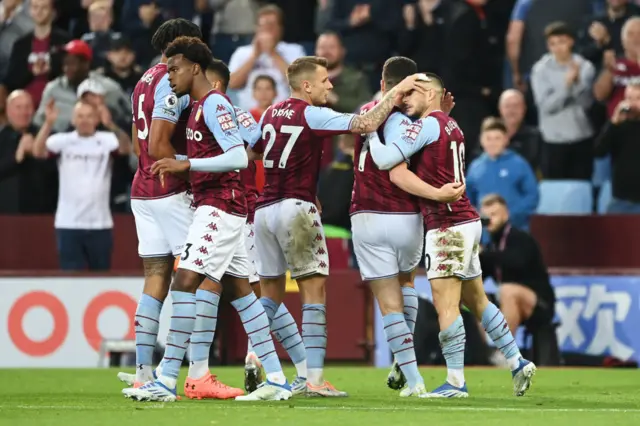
547 93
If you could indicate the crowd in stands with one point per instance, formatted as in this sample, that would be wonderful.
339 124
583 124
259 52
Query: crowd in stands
547 92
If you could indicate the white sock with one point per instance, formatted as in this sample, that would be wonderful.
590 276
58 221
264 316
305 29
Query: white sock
301 368
315 376
278 378
198 369
168 381
455 377
514 362
144 373
159 370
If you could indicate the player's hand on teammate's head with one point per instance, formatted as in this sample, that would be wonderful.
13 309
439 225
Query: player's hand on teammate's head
451 192
413 82
448 102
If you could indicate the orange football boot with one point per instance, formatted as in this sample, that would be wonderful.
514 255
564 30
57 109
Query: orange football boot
209 387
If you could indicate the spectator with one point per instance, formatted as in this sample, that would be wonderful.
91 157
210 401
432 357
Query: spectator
92 92
121 66
620 138
323 15
233 26
523 139
267 54
140 20
423 36
604 32
36 58
83 219
514 260
15 22
264 93
525 36
618 72
350 86
561 82
369 30
27 185
100 35
476 84
63 90
502 171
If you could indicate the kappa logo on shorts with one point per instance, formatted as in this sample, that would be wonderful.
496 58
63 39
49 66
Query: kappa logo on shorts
212 226
198 262
203 250
322 264
321 251
318 237
214 214
207 238
316 224
312 210
251 234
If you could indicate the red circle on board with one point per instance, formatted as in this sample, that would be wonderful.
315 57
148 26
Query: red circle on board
98 304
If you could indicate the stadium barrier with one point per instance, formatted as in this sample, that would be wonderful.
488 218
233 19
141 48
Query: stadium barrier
566 241
61 321
597 314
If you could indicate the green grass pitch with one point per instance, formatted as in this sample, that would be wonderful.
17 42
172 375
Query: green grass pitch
567 397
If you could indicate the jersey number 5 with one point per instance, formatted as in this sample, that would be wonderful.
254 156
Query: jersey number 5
269 132
458 161
142 133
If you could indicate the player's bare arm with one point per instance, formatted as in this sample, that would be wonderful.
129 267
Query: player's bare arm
370 121
170 165
134 138
406 180
160 139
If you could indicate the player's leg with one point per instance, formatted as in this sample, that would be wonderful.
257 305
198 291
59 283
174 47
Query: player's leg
254 320
157 260
446 253
496 326
192 269
283 327
301 237
378 259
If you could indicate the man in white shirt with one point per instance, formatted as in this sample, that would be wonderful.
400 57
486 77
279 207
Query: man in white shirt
267 55
83 219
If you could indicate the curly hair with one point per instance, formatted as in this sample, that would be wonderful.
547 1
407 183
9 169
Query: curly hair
190 48
171 30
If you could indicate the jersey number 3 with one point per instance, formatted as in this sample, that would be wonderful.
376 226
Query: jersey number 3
269 133
458 161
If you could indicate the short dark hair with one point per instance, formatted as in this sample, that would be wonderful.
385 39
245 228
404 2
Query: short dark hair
303 66
337 35
558 28
491 199
396 69
265 77
221 69
191 48
436 79
493 123
171 30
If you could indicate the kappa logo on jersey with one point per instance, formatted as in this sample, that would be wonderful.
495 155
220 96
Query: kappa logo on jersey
220 107
405 122
411 134
226 121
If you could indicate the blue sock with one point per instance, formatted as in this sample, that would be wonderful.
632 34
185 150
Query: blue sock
256 324
270 307
452 342
147 322
183 319
494 323
203 332
285 330
400 341
314 335
410 296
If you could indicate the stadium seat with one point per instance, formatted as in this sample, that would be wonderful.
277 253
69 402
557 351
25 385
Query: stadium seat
604 197
601 171
565 197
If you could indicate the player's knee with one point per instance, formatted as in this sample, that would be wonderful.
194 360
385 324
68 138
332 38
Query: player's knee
186 281
211 286
256 289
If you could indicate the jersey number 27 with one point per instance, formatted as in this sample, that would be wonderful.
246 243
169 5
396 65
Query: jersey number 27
269 133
